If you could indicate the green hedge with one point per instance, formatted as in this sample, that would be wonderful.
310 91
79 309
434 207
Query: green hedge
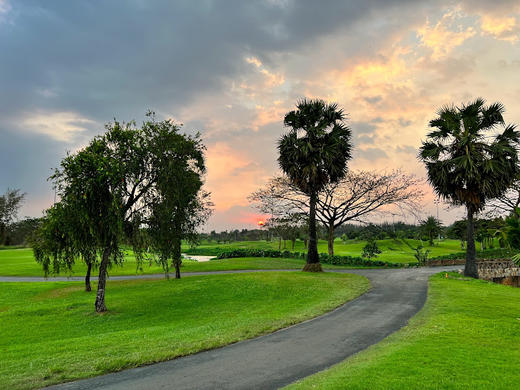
499 253
324 258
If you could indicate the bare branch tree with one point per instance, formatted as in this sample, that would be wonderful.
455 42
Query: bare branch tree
359 195
507 203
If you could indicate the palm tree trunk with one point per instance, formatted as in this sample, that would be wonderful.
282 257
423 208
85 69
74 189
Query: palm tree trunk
471 263
330 239
87 277
100 296
313 259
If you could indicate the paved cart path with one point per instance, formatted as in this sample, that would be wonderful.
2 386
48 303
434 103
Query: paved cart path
277 359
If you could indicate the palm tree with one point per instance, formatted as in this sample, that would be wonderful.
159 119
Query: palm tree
431 226
471 157
313 154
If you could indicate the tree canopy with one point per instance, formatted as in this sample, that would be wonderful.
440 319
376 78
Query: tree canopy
10 203
357 196
112 188
471 157
314 153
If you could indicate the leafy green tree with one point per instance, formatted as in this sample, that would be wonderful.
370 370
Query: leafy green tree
178 205
61 239
469 160
10 203
313 154
20 232
458 231
106 191
370 250
513 229
431 227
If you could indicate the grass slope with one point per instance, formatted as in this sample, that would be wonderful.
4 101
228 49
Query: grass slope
50 334
20 262
466 337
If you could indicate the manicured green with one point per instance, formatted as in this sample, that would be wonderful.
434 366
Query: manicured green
50 332
394 251
20 262
466 337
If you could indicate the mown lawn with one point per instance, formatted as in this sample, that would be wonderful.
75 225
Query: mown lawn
394 251
466 337
20 262
50 333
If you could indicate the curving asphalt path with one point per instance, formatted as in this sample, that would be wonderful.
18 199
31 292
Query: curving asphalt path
277 359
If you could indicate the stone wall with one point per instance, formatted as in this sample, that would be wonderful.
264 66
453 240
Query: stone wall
500 271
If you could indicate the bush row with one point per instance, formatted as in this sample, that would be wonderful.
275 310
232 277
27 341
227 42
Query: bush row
499 253
324 258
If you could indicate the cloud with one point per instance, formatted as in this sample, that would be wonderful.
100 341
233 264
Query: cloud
231 176
61 126
5 7
370 153
503 28
233 69
445 35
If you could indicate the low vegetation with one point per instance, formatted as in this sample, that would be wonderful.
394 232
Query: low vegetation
466 337
393 250
20 262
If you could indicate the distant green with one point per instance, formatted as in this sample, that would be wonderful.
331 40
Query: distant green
50 332
466 337
394 251
20 262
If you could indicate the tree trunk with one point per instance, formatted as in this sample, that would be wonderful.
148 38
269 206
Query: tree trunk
305 242
100 296
471 264
88 287
2 233
313 259
330 239
177 258
280 244
293 241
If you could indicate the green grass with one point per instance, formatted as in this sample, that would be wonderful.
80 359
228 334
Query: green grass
393 250
20 262
466 337
50 333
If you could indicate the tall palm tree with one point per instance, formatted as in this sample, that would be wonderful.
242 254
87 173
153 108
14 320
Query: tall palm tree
471 157
313 154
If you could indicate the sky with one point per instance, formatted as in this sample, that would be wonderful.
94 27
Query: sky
232 69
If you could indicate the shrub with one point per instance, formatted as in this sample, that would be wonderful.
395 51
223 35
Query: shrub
370 250
421 255
498 253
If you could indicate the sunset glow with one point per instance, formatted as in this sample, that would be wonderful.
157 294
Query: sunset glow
389 66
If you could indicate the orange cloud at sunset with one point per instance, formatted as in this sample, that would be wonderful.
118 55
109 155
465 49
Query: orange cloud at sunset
441 38
505 28
231 176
